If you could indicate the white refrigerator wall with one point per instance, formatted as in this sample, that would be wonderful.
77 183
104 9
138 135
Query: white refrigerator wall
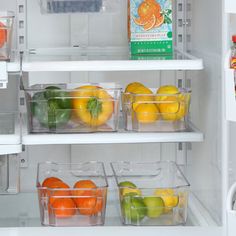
203 163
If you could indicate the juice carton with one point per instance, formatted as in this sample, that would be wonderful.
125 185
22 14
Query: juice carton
150 26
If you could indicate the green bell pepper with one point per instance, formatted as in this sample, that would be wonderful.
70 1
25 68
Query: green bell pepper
50 108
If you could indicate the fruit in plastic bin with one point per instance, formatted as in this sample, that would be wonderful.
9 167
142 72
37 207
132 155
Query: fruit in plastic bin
92 105
166 90
173 108
127 187
136 90
132 87
169 198
88 198
142 94
155 206
3 34
133 208
61 190
63 208
92 205
50 180
146 113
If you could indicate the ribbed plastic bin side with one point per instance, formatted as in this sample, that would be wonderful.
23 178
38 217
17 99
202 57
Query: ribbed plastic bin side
6 28
156 112
73 108
151 194
72 194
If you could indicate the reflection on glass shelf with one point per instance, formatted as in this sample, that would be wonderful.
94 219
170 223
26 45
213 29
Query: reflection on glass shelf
97 53
105 59
26 214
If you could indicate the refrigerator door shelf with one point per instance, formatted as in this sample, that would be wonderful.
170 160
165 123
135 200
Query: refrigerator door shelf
105 59
192 134
230 98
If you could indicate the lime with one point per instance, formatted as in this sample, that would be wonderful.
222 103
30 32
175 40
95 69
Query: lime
155 206
133 208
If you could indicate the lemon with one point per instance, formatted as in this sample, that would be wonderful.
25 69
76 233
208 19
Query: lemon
137 92
173 108
132 86
166 89
128 187
169 198
146 112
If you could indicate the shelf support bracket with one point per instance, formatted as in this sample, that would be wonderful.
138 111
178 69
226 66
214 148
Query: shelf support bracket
3 75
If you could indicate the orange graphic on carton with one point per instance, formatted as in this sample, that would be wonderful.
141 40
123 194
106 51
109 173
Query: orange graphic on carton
150 16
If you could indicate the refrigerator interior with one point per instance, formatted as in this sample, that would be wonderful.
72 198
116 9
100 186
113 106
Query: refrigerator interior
232 127
200 162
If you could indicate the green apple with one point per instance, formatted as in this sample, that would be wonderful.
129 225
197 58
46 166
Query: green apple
127 187
155 206
133 208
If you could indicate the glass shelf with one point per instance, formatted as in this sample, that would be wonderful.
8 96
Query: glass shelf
192 134
104 59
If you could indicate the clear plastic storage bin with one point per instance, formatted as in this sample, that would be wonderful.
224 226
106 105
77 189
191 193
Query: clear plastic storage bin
77 6
6 27
154 194
156 112
72 194
73 108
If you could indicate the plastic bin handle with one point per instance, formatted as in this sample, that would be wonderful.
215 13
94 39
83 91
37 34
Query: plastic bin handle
232 190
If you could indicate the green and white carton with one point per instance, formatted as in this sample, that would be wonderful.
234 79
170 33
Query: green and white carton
150 26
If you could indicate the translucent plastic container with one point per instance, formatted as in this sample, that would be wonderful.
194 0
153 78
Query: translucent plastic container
78 198
6 27
73 108
151 194
77 6
156 112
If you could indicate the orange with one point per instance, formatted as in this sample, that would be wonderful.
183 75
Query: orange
63 208
92 205
89 199
56 194
49 181
3 34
